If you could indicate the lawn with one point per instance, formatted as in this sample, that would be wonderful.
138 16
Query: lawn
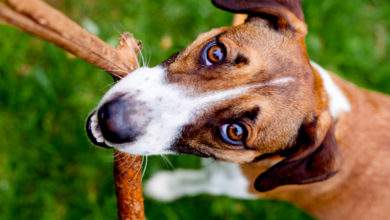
48 168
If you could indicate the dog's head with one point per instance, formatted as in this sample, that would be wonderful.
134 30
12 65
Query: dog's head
238 94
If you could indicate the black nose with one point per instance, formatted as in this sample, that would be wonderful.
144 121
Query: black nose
116 121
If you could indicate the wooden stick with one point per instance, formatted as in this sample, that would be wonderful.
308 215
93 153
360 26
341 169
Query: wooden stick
128 181
40 19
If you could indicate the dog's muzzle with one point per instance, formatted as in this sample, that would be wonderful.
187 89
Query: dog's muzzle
117 121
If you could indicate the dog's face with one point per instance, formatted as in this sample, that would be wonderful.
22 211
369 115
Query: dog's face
235 94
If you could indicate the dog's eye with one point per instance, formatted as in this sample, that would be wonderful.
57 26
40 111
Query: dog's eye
214 53
233 133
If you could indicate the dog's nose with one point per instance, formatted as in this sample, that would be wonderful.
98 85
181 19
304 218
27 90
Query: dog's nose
116 122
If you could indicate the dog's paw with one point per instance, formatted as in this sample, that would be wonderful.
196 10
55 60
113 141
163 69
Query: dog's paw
163 186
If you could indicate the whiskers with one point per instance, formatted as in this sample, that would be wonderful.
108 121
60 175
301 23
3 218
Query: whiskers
167 161
145 60
119 71
142 61
123 158
144 166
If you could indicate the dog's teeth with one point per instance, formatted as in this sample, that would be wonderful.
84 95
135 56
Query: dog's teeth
96 130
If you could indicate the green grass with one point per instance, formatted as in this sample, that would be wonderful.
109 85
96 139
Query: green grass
49 170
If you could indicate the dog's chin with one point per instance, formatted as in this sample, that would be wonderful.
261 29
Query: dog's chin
93 131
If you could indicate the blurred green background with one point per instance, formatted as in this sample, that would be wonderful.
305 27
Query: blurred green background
49 170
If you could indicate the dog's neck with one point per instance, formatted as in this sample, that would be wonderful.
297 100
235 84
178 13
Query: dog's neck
338 102
360 133
339 106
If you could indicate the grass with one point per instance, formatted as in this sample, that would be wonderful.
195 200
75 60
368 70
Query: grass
49 170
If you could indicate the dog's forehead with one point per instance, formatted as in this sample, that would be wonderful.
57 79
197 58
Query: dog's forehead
251 41
245 33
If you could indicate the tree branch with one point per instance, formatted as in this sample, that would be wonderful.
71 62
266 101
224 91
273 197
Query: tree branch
40 19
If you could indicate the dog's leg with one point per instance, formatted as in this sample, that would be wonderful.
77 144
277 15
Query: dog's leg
216 178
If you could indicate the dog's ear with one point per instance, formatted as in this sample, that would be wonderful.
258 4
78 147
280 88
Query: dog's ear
314 158
283 13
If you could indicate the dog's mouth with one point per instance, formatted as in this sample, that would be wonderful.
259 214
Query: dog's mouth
93 131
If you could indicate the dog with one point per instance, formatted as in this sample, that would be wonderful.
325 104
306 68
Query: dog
269 122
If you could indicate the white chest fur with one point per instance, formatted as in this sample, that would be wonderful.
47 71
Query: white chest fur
216 178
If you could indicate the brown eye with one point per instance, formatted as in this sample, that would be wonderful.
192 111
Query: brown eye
233 133
214 53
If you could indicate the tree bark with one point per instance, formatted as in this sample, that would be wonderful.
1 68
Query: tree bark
39 19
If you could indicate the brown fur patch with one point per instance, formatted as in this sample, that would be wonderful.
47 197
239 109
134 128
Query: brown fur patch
266 55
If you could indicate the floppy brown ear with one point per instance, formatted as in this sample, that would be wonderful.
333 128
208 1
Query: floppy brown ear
287 12
315 158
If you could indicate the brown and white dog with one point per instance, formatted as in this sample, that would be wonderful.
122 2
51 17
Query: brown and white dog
249 96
